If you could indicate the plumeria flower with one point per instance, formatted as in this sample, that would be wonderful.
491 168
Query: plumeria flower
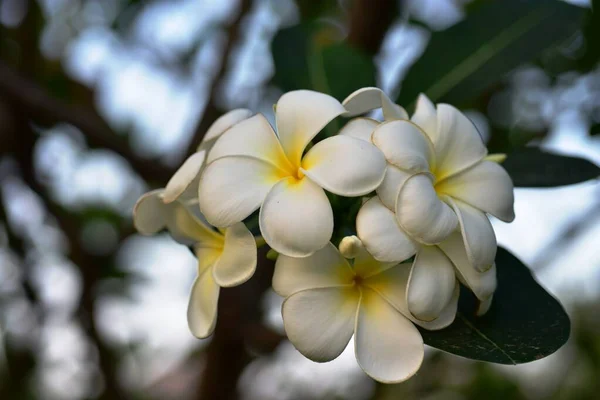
433 202
251 167
329 299
225 258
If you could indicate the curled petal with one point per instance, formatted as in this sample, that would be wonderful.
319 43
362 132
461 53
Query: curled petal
430 284
483 284
223 123
388 347
296 218
150 213
393 181
184 183
478 235
238 259
324 268
458 145
369 98
231 188
202 307
421 213
300 115
404 145
391 284
186 227
320 322
360 128
425 116
345 165
485 186
378 229
253 137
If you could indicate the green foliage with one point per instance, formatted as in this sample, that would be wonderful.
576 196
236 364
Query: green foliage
309 56
532 167
497 36
524 323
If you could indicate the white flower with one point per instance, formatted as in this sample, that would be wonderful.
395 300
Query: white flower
433 201
329 299
184 183
251 167
225 258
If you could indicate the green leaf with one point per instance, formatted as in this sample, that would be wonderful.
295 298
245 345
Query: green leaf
532 167
309 56
496 37
523 324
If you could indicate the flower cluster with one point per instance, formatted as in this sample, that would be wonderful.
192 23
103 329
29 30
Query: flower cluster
424 186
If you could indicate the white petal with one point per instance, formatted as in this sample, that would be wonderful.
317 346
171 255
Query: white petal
231 188
484 306
185 226
320 322
224 122
485 186
150 213
425 116
430 284
478 235
369 98
202 307
458 145
393 181
345 165
185 179
300 115
404 145
324 268
360 128
378 229
483 284
253 137
391 284
296 218
388 347
238 260
421 213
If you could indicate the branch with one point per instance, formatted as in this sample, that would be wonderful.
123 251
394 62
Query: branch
369 22
46 110
211 111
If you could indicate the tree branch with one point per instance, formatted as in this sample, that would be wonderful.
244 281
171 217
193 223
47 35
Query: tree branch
211 111
369 22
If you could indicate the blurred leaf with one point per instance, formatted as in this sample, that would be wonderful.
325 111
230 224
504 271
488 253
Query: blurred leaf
532 167
310 56
524 323
496 37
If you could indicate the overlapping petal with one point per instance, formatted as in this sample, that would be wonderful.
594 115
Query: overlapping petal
485 186
478 235
393 181
377 227
360 128
369 98
320 322
231 188
149 213
296 218
300 115
404 145
345 165
421 213
483 284
237 262
185 226
324 268
184 183
388 347
223 123
430 284
425 116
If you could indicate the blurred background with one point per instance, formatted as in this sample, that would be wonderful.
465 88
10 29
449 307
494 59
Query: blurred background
101 100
